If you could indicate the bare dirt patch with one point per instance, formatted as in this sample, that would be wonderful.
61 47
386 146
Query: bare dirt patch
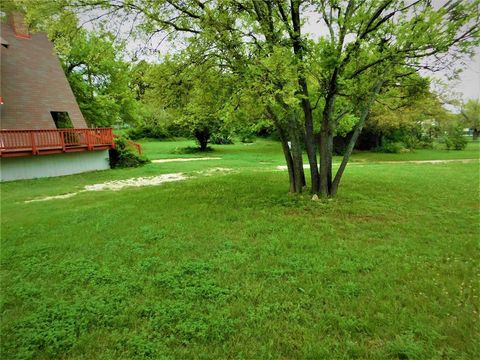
54 197
116 185
214 171
136 182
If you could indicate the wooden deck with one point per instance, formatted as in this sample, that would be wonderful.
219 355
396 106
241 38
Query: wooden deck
54 141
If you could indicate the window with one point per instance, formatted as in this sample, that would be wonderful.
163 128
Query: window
4 42
61 119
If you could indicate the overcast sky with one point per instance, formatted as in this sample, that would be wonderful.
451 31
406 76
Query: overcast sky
468 84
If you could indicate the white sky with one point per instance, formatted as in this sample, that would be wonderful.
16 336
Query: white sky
469 83
467 86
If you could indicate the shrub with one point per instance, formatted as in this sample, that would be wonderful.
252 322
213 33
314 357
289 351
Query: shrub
264 128
148 131
124 156
392 147
190 150
454 139
247 139
177 130
246 136
416 140
221 139
425 143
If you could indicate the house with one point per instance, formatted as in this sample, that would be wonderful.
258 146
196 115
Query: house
42 130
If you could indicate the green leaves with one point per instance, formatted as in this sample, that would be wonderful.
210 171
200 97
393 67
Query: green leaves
471 113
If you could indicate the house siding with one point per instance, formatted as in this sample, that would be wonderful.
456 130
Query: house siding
31 167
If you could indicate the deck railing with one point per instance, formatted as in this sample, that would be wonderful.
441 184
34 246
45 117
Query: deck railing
49 141
136 146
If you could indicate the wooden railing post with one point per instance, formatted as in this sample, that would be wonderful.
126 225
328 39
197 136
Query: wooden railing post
89 139
34 146
62 139
112 138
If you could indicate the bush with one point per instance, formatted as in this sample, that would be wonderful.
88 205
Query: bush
246 136
221 139
425 144
247 139
392 147
148 131
417 140
454 139
264 128
177 130
191 150
123 156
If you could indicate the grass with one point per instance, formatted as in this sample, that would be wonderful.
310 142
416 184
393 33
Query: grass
438 153
270 151
230 266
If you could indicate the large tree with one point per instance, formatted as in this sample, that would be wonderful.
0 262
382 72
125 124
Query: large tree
195 94
100 80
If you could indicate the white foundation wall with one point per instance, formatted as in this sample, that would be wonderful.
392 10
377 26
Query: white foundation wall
38 166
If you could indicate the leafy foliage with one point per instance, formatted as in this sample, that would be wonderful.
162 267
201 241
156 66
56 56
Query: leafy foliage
471 116
93 63
123 155
454 138
221 139
148 131
194 95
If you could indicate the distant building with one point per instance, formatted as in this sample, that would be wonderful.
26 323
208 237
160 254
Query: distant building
42 130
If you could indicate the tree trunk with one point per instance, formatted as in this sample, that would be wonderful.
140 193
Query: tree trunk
293 156
326 144
306 106
310 142
289 161
296 139
475 134
326 154
298 166
202 136
330 160
354 138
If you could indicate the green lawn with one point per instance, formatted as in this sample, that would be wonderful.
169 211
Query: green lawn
231 267
269 150
438 153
